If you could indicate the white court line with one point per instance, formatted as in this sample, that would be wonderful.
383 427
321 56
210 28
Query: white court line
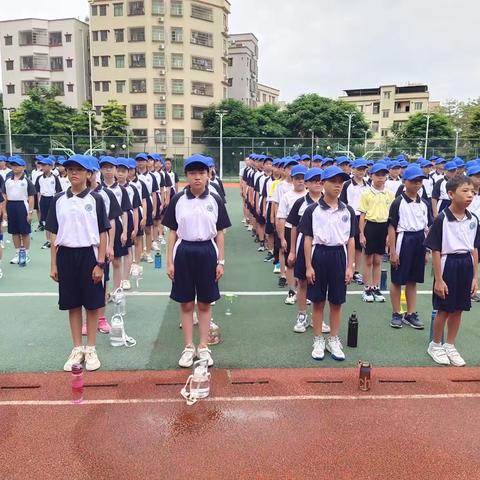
280 398
275 293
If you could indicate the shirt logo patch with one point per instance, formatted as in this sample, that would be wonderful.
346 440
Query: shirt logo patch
472 225
88 207
345 218
209 207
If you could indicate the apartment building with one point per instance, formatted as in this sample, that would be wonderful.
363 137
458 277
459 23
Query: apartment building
266 94
46 53
389 105
165 61
243 68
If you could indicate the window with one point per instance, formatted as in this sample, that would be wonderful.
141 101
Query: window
119 35
119 61
118 9
70 87
138 86
98 110
201 38
176 8
197 113
385 113
158 7
68 38
97 86
120 86
103 35
177 87
10 89
69 62
158 34
96 61
159 85
137 34
94 10
139 111
197 137
202 13
418 105
200 88
202 63
177 35
160 111
136 8
102 10
59 88
39 61
105 60
178 137
386 95
106 86
137 60
55 39
8 40
177 60
95 35
9 64
264 98
177 112
376 108
230 61
160 135
158 60
56 63
384 132
140 134
375 126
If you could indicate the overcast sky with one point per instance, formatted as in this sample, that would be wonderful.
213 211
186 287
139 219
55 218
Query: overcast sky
325 46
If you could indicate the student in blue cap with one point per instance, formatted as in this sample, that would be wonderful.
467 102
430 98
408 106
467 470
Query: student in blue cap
62 175
438 172
345 164
197 219
393 180
440 197
4 169
19 194
305 160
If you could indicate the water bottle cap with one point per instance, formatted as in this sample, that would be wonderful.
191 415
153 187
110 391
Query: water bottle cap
77 368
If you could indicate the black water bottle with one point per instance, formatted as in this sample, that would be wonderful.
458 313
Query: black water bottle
352 335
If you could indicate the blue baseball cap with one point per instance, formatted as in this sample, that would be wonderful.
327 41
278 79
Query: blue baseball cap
312 173
440 160
426 163
334 171
298 170
459 161
94 163
3 158
327 160
108 159
370 162
83 160
379 167
305 156
141 156
342 160
39 158
419 160
473 170
267 158
470 163
211 162
412 172
123 162
404 163
196 158
16 160
290 162
359 163
46 161
317 158
297 157
132 164
450 166
394 164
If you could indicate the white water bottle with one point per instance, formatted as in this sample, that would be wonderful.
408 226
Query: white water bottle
117 331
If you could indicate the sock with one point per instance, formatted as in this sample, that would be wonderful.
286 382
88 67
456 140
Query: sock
18 251
436 344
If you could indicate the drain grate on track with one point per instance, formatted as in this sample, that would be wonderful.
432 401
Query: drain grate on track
325 382
250 382
19 387
170 384
396 381
467 380
101 385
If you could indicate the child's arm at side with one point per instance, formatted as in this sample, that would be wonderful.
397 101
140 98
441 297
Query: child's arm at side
361 228
394 260
440 287
350 259
172 239
310 272
475 272
220 241
53 258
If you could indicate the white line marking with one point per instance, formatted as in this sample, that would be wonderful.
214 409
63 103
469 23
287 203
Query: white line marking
280 398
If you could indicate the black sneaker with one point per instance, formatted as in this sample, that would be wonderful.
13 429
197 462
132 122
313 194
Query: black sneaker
396 321
45 245
269 257
413 320
476 298
282 282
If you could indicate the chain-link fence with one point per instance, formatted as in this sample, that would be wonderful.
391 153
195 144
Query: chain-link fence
236 149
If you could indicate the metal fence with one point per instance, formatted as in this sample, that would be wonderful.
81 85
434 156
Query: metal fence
236 149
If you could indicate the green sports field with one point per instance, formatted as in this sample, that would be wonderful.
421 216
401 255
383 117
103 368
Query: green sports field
35 334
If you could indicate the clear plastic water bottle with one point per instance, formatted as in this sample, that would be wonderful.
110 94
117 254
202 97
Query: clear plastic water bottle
22 257
120 301
77 383
117 331
214 336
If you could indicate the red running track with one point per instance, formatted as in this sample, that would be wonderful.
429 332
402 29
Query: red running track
416 423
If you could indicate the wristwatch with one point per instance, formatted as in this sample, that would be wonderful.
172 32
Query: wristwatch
101 265
221 262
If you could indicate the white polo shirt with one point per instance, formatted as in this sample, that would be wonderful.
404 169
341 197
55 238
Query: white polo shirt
407 215
18 190
351 193
48 186
286 204
5 172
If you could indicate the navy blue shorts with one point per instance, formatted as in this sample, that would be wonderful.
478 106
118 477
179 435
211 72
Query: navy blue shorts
35 202
269 229
300 267
45 203
358 245
149 221
158 209
259 217
195 265
412 259
129 229
376 237
106 274
118 249
288 238
75 285
140 231
329 264
458 275
17 218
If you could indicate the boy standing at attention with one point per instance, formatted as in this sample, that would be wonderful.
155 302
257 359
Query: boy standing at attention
454 239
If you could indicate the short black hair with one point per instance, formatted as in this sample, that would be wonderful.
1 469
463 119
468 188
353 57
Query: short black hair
455 182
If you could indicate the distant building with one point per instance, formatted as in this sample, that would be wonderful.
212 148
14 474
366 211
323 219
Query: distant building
389 105
266 94
45 53
243 68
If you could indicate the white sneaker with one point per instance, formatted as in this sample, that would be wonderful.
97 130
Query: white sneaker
377 295
455 359
334 346
368 296
276 268
205 354
302 323
27 259
14 260
155 246
1 273
186 360
162 241
291 298
250 228
92 362
77 356
126 285
261 248
149 258
309 302
325 328
438 353
318 352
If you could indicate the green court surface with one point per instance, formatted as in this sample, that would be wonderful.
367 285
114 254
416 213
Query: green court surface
35 334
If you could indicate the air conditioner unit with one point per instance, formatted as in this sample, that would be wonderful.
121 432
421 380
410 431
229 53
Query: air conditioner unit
161 46
162 72
163 98
161 19
164 147
163 122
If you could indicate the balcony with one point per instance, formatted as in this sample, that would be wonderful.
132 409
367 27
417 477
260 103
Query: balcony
33 37
35 62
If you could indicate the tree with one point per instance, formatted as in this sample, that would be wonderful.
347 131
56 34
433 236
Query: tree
474 125
271 121
114 124
80 127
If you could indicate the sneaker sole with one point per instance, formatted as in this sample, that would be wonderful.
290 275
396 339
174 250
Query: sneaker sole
394 325
338 359
416 327
185 365
367 301
105 332
93 368
379 301
437 362
318 359
299 331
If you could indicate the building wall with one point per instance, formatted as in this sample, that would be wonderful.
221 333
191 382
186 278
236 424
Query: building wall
164 134
74 77
386 107
266 94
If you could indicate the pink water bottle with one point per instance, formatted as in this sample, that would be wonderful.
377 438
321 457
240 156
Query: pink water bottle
77 383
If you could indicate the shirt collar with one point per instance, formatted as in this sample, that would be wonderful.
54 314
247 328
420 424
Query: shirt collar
326 206
375 191
356 183
452 218
309 199
191 196
79 195
114 185
408 199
